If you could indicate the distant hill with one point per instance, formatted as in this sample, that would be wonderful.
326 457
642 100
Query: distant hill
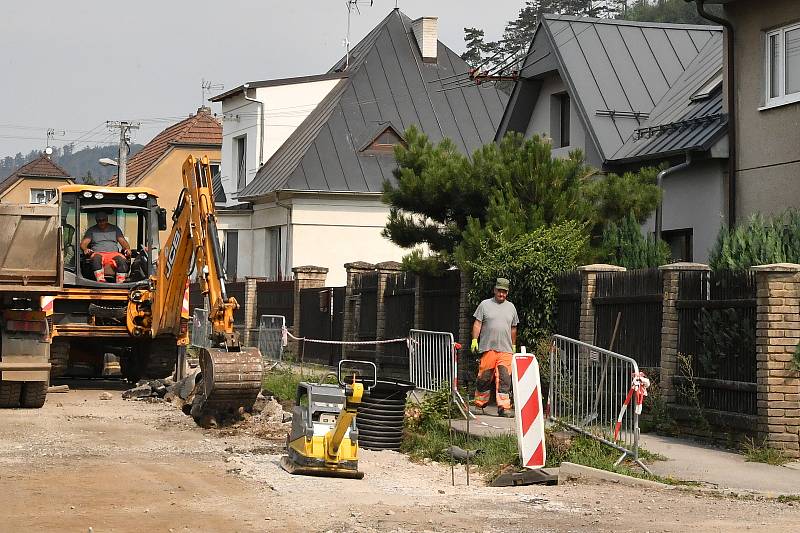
80 164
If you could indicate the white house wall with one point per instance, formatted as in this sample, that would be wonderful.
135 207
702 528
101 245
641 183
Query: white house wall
240 222
327 232
286 106
240 118
540 123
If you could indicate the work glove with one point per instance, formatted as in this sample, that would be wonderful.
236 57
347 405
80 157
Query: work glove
474 346
513 348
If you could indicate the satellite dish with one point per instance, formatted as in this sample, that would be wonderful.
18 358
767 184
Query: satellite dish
48 151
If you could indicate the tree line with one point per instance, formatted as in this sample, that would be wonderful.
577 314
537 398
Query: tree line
81 164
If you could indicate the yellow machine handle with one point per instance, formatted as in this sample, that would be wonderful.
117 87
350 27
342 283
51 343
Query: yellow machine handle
333 439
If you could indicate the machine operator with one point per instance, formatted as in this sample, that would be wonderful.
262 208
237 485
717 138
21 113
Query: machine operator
101 244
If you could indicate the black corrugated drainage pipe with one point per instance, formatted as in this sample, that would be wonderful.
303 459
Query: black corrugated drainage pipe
381 414
731 91
660 184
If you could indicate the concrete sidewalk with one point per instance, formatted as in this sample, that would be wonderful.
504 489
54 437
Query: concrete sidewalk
691 461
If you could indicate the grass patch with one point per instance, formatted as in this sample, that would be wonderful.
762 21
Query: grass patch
281 382
764 454
430 440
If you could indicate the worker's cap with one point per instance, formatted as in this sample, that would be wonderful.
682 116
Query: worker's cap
100 215
502 284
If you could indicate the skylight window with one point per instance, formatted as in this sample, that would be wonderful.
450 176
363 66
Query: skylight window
705 92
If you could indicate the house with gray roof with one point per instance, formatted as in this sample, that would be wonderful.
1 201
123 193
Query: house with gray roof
304 159
634 94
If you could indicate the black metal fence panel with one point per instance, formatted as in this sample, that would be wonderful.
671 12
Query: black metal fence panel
717 341
636 296
567 315
235 289
440 302
276 298
321 318
399 302
366 287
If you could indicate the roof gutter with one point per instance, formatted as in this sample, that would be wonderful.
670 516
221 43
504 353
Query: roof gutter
660 183
731 95
260 123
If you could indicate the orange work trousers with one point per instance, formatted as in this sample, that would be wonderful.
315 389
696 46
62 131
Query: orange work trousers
494 366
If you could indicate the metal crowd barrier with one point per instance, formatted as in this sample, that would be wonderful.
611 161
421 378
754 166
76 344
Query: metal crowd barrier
201 328
433 364
588 387
432 361
271 339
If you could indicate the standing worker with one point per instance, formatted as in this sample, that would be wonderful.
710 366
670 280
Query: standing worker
496 326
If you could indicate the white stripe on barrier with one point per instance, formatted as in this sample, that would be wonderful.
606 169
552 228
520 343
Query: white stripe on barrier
529 416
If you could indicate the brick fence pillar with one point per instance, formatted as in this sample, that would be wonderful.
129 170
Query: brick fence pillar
385 269
588 285
669 324
251 310
305 277
777 335
351 308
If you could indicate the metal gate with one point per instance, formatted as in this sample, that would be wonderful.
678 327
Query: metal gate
322 317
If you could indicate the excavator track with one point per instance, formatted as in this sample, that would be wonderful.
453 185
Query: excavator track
231 381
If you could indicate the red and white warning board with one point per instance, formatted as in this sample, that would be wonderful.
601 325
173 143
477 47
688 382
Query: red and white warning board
530 416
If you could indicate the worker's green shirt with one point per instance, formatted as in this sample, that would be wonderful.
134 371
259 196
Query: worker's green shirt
496 323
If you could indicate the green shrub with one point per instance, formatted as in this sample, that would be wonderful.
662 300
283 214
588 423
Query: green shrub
530 261
624 245
723 336
758 241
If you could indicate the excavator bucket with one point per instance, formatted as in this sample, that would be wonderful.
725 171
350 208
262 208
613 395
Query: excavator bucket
231 380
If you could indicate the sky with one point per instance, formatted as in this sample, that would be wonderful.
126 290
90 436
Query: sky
72 65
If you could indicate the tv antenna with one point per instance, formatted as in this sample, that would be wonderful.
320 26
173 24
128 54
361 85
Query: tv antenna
51 133
351 4
207 87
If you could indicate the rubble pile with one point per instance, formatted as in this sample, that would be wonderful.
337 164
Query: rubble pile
154 388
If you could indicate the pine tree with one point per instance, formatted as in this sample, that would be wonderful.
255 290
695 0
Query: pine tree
451 203
475 46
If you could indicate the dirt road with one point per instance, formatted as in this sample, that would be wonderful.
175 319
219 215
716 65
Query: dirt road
116 465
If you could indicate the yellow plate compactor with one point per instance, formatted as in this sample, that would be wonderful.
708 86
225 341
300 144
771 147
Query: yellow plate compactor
324 438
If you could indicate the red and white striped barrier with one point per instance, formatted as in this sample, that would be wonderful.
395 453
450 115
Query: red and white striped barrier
530 416
639 388
185 306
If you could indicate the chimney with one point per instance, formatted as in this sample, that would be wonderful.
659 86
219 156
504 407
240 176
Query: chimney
426 31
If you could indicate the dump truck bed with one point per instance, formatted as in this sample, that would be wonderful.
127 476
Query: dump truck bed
29 249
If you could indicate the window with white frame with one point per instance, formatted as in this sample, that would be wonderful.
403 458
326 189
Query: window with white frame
42 196
783 65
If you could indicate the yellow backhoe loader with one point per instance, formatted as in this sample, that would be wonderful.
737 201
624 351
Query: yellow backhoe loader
231 374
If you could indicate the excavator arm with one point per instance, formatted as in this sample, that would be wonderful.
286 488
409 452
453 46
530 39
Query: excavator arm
231 373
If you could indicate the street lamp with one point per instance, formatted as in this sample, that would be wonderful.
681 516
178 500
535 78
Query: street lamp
107 162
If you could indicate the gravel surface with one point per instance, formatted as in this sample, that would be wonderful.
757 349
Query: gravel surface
118 465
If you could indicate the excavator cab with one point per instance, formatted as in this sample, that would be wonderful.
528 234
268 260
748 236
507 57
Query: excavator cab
134 211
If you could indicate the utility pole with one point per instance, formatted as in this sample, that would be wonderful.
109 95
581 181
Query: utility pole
124 147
